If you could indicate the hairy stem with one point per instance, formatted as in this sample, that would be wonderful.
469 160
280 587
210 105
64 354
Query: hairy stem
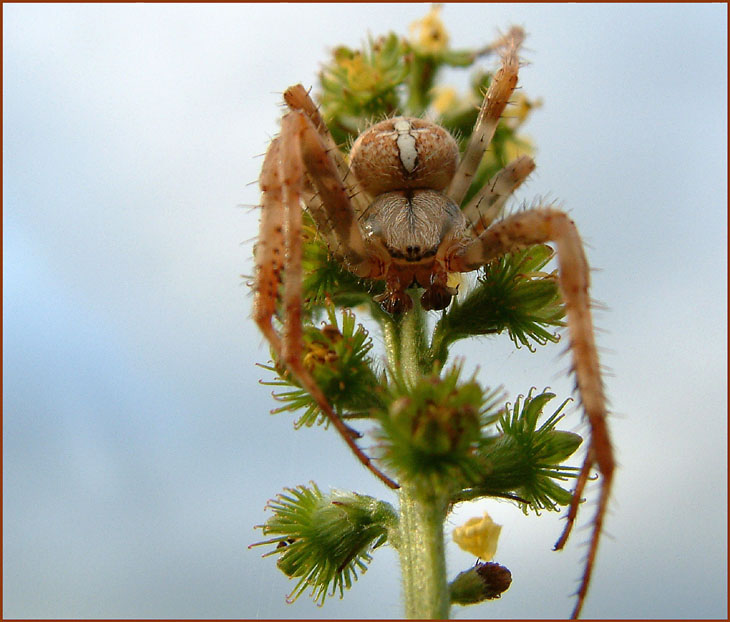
421 550
422 512
409 342
391 337
413 358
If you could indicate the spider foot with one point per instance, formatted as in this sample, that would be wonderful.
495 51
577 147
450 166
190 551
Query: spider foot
437 297
395 302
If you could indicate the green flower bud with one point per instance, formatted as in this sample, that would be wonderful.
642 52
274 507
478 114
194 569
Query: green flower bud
432 429
325 540
525 461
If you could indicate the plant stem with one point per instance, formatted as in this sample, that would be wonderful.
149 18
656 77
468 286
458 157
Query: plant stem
422 511
421 550
391 337
413 343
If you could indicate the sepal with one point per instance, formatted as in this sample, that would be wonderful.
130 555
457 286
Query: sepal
325 541
524 461
513 294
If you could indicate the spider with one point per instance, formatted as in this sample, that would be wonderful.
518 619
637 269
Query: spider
395 214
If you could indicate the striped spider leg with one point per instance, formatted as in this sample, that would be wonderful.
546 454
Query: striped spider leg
536 226
303 146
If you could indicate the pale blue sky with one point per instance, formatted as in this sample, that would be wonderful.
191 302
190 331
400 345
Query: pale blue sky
138 449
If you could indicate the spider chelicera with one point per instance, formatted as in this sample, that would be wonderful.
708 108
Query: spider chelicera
395 214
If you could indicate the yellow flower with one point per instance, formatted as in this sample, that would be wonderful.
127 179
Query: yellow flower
521 108
478 536
360 75
428 34
445 99
514 149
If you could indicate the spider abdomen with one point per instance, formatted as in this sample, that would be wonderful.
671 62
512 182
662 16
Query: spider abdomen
404 153
412 224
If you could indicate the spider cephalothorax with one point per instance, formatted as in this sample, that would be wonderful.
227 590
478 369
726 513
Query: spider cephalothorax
395 214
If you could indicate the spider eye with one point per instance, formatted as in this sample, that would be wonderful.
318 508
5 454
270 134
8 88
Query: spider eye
404 153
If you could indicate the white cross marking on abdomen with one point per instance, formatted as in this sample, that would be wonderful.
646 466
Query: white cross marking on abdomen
406 144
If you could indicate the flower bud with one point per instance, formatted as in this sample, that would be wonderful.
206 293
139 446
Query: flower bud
479 583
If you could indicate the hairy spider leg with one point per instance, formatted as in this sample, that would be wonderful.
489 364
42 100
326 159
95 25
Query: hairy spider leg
270 247
281 182
600 453
495 100
297 98
331 206
537 226
488 204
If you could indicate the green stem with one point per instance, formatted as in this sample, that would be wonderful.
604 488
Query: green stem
421 551
411 331
420 538
391 337
422 78
413 359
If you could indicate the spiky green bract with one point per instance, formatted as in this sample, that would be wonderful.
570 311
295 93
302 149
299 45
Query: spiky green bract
513 295
325 540
326 279
484 581
432 428
524 460
338 359
362 85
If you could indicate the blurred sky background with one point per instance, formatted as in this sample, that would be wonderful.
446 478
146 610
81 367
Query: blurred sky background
138 448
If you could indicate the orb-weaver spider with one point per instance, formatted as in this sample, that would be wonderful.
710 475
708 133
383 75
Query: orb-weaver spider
395 214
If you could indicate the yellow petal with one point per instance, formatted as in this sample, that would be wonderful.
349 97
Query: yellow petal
445 99
478 536
429 33
453 279
513 150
